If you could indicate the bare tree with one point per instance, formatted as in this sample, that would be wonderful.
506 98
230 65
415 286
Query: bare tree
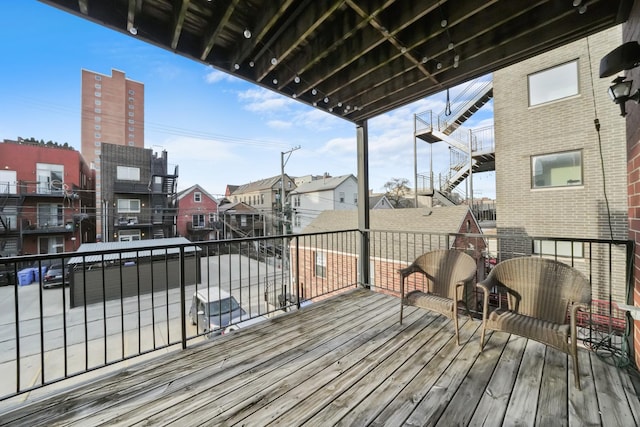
396 189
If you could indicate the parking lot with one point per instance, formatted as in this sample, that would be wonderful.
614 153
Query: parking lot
102 333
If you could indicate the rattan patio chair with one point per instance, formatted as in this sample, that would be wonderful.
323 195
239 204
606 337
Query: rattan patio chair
447 273
543 298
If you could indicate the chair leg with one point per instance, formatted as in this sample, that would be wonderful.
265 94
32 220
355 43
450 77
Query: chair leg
401 307
482 337
455 325
576 369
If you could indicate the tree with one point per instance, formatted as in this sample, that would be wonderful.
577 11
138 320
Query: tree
396 190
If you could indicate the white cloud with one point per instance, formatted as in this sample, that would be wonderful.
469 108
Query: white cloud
279 124
214 76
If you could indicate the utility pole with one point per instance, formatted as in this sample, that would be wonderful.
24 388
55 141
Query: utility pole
284 253
283 163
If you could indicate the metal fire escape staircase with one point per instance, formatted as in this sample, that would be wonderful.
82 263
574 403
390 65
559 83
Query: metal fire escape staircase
471 151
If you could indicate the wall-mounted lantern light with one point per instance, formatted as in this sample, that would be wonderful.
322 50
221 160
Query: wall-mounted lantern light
620 92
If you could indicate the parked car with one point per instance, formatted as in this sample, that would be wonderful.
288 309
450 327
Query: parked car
214 309
7 275
243 324
56 275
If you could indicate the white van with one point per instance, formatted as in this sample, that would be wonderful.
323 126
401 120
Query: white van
214 309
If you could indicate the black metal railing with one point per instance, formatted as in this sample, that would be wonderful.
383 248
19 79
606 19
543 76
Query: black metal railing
109 306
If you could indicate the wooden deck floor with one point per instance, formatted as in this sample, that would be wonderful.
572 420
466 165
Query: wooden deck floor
347 361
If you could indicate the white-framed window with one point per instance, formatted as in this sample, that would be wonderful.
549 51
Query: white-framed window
131 143
97 118
132 92
320 264
131 121
296 201
130 113
131 106
130 99
128 235
262 199
98 78
98 143
98 110
197 197
243 220
131 128
297 221
98 102
355 198
198 220
97 135
341 197
98 127
51 245
213 217
128 206
562 169
98 86
50 177
98 94
558 248
50 215
553 83
127 173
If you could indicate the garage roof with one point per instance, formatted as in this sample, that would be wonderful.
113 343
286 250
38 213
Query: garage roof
354 59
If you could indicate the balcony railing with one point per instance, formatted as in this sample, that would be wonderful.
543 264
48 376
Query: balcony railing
113 306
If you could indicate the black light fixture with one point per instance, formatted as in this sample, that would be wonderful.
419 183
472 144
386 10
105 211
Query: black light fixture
620 92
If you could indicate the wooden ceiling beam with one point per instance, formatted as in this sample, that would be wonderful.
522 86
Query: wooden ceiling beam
215 30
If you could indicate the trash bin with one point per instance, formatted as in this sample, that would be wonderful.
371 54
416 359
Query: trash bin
25 277
39 272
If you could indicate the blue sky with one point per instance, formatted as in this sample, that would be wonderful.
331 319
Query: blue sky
218 129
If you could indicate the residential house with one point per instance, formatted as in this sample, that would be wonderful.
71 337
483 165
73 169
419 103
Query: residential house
198 215
379 201
239 220
264 195
46 198
335 260
311 198
140 196
557 172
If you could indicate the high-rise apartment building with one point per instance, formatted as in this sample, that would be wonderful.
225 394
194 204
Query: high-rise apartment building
113 113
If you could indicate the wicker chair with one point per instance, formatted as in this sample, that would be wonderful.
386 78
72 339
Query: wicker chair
448 272
540 292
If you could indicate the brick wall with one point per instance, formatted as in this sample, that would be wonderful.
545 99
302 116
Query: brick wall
522 131
632 33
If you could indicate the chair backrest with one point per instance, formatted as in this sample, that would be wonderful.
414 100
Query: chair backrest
541 288
444 268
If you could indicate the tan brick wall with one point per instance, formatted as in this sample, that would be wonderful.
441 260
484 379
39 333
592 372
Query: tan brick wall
567 124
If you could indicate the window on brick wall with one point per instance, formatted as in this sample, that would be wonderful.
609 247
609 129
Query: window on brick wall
321 264
556 169
553 83
555 248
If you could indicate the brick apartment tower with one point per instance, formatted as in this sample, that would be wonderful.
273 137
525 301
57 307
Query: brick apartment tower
112 112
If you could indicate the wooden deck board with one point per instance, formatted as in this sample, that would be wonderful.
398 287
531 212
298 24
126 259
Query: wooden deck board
348 361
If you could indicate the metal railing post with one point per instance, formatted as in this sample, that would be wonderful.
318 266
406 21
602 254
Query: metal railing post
298 272
183 311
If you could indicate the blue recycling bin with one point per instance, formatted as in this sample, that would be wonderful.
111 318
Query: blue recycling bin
38 272
25 276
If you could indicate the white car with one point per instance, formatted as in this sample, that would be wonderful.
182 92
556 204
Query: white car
214 309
